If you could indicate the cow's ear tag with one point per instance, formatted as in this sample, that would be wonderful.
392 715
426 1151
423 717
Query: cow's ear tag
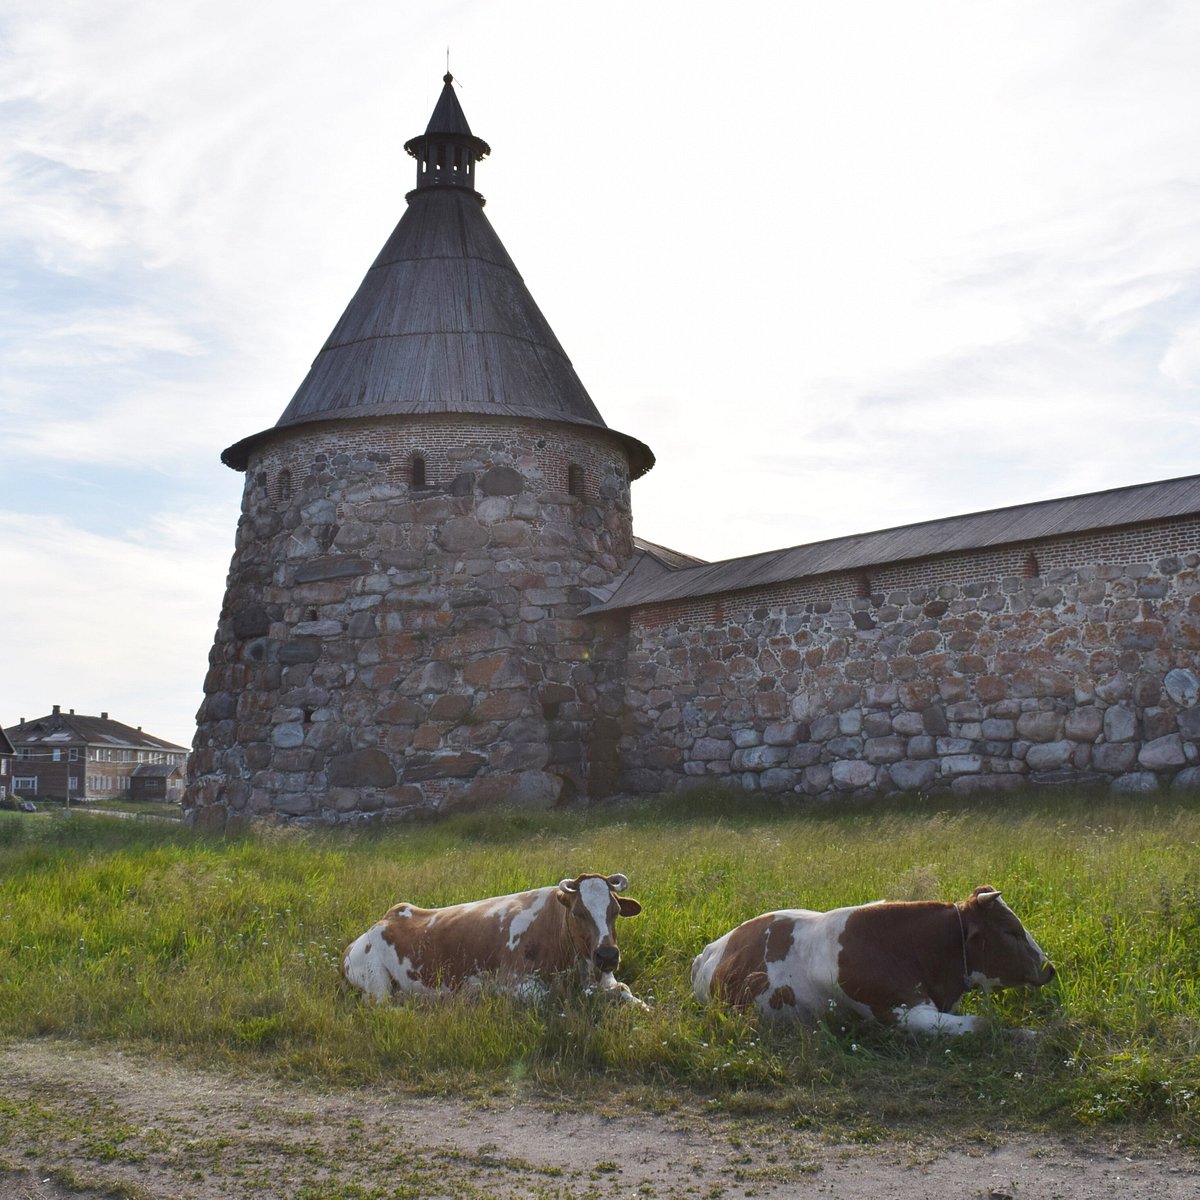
628 907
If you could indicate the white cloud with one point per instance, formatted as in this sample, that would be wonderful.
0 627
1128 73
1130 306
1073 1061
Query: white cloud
1181 361
840 265
120 624
105 337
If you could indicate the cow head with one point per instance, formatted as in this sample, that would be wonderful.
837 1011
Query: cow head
999 951
593 907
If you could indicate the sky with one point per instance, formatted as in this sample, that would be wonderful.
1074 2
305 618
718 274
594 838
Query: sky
842 266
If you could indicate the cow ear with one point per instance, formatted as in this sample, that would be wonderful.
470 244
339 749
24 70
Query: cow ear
985 895
627 906
618 882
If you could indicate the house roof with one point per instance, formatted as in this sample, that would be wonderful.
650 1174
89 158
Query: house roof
442 322
63 729
1019 523
6 747
155 770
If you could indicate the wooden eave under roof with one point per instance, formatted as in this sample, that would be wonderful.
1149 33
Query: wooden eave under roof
156 770
1019 524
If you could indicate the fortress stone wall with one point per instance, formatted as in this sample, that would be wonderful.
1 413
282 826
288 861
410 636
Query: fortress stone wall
436 600
949 675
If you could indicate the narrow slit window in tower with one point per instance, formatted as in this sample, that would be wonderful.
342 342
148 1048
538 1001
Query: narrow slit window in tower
285 484
417 471
574 480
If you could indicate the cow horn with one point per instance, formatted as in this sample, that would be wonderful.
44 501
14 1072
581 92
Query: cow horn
618 882
986 895
568 885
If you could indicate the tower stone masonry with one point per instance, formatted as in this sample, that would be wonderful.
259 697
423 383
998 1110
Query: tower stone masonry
401 628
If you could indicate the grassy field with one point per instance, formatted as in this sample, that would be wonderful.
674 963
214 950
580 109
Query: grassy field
226 950
136 808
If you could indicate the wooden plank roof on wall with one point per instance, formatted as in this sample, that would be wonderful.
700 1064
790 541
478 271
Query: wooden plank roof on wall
1019 523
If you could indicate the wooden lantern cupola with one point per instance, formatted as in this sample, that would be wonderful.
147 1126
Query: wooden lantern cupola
447 151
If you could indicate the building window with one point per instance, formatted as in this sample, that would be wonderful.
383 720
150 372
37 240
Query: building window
574 480
25 783
416 471
73 754
285 484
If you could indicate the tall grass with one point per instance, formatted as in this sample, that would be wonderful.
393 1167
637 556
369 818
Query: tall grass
228 949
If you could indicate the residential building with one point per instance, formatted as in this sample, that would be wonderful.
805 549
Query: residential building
70 756
6 757
157 781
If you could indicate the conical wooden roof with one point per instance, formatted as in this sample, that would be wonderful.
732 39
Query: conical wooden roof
443 322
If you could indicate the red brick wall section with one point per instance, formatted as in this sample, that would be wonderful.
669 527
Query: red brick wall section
448 444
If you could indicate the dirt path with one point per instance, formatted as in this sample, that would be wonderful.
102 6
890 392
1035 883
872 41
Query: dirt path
78 1121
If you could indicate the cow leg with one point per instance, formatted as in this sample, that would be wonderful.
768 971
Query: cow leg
364 968
607 984
926 1018
530 990
610 986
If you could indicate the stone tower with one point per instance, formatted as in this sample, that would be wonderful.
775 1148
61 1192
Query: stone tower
401 628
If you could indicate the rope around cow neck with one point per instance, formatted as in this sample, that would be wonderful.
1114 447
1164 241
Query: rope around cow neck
962 933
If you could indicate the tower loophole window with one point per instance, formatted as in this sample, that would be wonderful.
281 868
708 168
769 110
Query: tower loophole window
574 480
285 484
416 471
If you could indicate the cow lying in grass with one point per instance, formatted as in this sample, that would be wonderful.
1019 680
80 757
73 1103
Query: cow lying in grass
904 964
514 943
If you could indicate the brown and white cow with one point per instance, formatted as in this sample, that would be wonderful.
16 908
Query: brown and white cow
904 964
513 943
